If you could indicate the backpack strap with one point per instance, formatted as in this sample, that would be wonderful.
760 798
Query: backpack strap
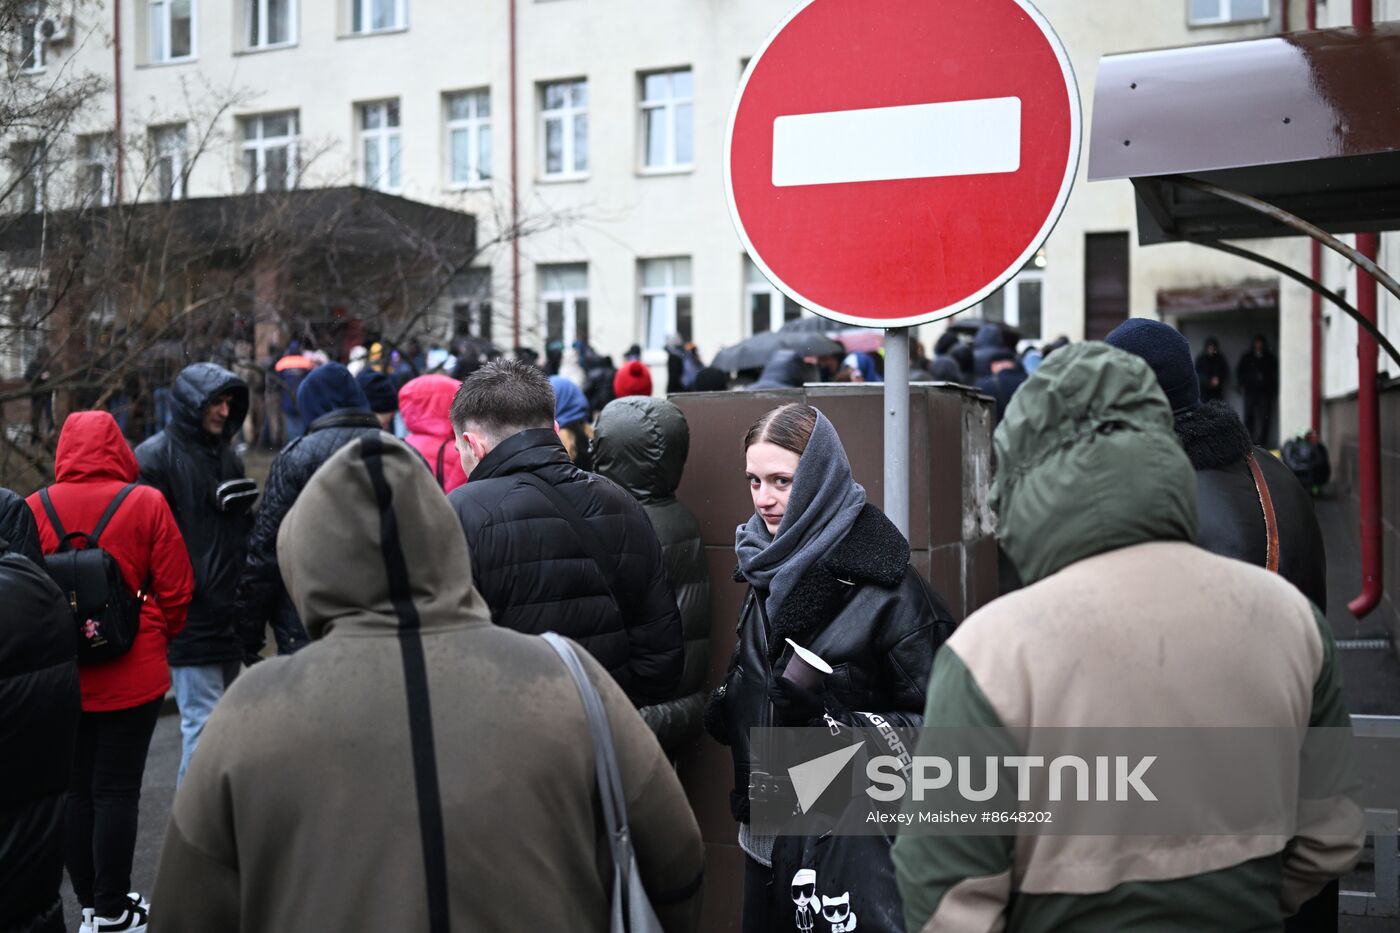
1266 503
592 546
59 531
107 515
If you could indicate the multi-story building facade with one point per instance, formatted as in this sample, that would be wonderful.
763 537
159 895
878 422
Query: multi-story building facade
593 129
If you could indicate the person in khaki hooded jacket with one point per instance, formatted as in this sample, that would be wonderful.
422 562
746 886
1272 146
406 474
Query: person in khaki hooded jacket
415 767
1125 623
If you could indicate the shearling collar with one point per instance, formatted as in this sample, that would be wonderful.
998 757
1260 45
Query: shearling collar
874 553
1213 436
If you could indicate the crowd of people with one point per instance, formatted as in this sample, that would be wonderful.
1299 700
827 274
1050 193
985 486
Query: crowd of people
415 758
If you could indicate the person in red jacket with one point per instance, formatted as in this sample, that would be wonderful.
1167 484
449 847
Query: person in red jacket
121 698
426 405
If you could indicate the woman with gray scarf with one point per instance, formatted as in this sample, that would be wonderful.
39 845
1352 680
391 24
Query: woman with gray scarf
827 570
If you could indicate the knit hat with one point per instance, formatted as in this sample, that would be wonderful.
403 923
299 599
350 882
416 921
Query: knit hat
379 389
632 379
569 402
1169 355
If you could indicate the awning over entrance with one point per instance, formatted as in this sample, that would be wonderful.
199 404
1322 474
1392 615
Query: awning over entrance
1212 299
1309 122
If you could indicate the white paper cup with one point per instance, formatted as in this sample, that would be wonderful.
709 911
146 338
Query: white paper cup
805 668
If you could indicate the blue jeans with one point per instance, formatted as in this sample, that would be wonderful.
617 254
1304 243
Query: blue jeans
198 688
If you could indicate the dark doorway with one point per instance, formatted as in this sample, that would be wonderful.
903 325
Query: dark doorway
1235 330
1105 283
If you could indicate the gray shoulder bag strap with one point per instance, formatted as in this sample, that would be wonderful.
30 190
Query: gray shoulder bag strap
631 909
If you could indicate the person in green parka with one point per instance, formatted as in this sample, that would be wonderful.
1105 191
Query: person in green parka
1125 622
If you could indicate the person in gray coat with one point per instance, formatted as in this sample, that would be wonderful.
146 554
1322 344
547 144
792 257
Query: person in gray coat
641 443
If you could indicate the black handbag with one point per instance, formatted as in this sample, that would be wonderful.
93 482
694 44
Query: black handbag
105 613
835 883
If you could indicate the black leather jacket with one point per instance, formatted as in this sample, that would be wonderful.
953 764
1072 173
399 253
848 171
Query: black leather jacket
262 599
864 610
1231 518
187 465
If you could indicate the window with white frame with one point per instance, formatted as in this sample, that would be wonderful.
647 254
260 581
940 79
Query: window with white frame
378 15
172 30
269 23
97 164
668 105
33 47
769 309
666 300
471 305
171 154
1018 302
564 302
270 152
564 127
380 146
29 173
1213 12
469 137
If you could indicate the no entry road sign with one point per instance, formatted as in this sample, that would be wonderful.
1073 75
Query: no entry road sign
892 162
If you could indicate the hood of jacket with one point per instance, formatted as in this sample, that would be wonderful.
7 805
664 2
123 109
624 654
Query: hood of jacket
425 404
642 444
1087 461
570 404
989 342
372 546
17 528
783 371
329 388
197 385
91 447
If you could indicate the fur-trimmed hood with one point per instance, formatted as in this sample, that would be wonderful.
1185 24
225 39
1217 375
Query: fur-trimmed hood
1213 436
874 552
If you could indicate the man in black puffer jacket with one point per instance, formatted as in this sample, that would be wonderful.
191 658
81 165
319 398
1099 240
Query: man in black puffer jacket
336 413
641 444
554 548
188 462
38 726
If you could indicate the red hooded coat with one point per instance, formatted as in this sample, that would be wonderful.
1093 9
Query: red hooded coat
93 463
425 404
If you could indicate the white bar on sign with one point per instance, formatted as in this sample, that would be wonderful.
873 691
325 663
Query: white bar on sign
965 137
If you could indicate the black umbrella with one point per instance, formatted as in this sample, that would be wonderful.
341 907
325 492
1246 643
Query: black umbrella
756 351
810 325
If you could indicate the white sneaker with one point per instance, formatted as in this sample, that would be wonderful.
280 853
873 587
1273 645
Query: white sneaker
136 896
88 925
131 920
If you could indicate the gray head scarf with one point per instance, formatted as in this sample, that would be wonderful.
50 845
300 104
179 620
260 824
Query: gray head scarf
823 505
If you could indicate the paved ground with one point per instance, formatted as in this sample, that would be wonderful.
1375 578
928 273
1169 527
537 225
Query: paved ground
1372 685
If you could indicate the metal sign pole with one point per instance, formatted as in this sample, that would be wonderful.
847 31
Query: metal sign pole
897 427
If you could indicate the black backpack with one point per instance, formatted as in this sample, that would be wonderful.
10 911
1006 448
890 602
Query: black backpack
105 612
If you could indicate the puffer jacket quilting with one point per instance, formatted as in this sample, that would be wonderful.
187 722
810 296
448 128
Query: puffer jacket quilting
537 577
262 598
642 444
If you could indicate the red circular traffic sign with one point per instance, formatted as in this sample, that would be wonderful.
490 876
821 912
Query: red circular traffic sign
892 163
